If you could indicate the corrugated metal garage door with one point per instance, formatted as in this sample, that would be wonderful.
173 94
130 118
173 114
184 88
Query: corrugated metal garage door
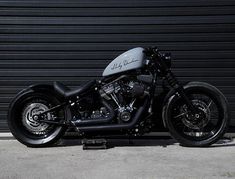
72 41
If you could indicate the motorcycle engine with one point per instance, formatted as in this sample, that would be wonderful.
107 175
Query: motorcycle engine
124 93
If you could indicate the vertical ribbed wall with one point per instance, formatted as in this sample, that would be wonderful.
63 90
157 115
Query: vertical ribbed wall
72 41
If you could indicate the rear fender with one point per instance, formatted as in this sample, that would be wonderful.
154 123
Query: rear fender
46 88
43 88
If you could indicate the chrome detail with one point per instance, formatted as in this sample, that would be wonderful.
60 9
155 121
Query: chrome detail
29 117
208 107
72 104
180 115
132 103
125 116
197 116
124 112
75 126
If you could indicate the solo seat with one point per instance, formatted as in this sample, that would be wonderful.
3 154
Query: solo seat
66 92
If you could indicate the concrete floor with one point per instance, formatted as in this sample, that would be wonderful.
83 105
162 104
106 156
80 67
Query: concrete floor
146 158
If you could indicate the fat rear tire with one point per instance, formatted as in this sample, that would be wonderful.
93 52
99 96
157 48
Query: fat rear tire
20 132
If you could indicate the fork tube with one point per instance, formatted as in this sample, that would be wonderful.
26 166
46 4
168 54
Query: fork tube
174 83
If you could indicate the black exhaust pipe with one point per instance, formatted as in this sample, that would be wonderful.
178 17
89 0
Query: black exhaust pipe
108 119
112 127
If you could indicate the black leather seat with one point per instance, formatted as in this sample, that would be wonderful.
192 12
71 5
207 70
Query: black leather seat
68 93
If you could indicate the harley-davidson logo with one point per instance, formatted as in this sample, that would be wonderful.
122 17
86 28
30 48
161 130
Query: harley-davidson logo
123 63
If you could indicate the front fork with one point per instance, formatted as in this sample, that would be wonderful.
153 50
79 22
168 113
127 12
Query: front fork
174 83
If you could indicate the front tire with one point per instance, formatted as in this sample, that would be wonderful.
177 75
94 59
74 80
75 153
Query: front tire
25 129
204 128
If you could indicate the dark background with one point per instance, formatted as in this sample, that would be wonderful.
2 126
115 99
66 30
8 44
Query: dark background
72 41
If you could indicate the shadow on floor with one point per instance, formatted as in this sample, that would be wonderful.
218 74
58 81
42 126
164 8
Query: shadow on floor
140 142
224 142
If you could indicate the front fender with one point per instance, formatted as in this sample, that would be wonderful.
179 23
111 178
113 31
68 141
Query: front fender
172 94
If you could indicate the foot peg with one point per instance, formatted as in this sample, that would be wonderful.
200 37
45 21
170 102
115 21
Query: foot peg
94 144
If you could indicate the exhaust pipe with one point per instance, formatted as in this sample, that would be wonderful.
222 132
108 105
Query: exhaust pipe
112 127
108 119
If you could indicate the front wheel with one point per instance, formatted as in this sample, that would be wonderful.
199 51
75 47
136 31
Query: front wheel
204 127
28 131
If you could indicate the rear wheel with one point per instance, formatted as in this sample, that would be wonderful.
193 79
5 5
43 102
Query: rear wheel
204 127
25 128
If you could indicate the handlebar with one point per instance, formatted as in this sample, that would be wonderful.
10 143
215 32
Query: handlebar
155 54
154 51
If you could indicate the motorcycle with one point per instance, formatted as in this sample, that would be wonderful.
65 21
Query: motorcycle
196 113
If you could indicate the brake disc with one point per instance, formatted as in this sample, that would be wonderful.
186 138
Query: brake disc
32 125
201 121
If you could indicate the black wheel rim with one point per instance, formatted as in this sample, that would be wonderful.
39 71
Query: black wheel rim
197 129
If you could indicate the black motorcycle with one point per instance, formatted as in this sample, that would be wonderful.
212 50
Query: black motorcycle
124 102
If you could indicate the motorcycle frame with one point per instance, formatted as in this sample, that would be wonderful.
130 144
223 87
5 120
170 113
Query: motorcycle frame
156 66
